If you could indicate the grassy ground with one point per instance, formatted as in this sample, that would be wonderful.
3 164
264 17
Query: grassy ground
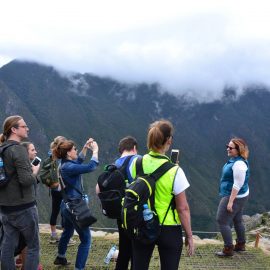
252 259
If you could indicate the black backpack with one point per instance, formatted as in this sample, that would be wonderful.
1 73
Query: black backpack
4 179
142 191
112 184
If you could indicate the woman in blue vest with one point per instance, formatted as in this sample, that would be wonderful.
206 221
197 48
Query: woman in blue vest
170 187
234 193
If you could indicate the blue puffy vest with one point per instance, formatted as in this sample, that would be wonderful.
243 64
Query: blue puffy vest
226 181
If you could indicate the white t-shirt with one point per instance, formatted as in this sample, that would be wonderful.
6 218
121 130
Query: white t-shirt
180 182
239 174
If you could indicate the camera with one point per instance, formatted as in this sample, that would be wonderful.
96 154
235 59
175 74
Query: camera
36 161
175 156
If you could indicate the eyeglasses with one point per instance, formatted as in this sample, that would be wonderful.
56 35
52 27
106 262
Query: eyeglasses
22 126
231 148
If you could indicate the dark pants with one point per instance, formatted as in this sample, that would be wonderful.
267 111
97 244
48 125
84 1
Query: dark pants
23 222
170 244
226 219
56 202
125 249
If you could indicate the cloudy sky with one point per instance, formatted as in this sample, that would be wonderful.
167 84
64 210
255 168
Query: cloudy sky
187 46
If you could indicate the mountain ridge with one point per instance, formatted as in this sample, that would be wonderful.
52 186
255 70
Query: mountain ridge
108 110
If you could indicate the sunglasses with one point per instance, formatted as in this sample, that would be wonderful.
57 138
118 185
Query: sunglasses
231 148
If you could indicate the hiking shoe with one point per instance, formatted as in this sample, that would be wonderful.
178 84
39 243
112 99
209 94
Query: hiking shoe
54 239
71 242
240 246
226 252
61 261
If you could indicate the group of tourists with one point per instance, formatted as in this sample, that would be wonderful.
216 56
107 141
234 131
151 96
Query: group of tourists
18 207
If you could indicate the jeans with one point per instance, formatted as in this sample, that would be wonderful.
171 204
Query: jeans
26 223
226 219
84 235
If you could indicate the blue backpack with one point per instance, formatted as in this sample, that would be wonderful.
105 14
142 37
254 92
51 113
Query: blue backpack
4 179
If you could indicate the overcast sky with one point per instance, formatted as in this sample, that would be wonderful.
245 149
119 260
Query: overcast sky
187 46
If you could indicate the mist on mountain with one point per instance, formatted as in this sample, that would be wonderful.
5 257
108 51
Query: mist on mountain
81 105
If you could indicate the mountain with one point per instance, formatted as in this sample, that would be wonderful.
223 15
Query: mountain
82 105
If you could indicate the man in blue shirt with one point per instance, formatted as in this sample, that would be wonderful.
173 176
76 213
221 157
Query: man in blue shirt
128 150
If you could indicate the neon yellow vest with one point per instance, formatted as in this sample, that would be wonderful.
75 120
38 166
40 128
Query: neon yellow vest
164 187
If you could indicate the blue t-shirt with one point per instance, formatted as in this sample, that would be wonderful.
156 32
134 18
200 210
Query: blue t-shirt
120 161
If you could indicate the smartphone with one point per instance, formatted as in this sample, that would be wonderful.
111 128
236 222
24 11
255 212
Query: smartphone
36 161
175 156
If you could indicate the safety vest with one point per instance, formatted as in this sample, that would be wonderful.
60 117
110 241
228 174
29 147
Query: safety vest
164 187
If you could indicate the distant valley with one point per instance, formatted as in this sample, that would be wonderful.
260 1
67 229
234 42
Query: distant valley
82 105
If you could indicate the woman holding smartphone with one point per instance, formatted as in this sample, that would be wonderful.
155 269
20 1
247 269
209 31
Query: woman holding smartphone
32 152
35 161
170 187
72 168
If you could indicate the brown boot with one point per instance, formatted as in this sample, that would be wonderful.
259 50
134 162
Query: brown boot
226 252
240 246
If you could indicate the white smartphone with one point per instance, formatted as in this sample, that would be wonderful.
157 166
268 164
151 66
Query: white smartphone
175 156
36 161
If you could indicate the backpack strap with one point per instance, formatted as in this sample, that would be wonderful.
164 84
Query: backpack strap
164 167
2 155
6 147
139 167
63 184
162 170
167 211
123 168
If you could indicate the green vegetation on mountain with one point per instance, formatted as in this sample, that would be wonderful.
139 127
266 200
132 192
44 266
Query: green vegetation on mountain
82 105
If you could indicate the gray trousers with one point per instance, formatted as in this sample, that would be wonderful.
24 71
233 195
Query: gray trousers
25 222
226 219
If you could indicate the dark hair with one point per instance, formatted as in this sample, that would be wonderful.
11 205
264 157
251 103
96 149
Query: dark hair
60 151
127 144
241 147
9 123
158 134
26 144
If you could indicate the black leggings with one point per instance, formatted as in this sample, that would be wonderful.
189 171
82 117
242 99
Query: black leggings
56 202
170 244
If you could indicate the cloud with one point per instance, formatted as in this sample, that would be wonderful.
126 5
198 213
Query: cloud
195 48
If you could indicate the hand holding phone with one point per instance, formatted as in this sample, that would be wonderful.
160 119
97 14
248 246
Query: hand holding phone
36 161
175 156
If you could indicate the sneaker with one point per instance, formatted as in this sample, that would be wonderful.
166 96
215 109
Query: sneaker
71 242
54 239
61 261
